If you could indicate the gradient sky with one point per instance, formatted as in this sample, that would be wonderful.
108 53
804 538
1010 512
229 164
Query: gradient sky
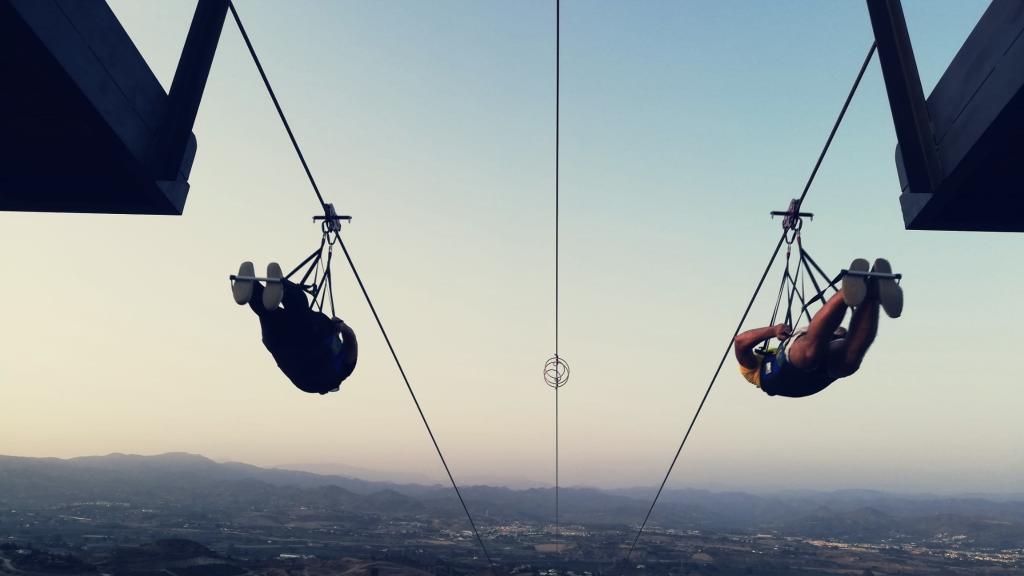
683 125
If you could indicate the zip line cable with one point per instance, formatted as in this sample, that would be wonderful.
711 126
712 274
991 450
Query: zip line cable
558 70
405 378
277 105
556 370
707 392
359 280
839 120
757 290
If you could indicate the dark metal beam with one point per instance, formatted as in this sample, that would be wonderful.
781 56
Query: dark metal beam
917 148
172 141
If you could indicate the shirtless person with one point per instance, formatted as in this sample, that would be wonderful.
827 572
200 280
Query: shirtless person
808 360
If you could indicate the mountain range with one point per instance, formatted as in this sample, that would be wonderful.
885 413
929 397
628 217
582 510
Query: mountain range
191 481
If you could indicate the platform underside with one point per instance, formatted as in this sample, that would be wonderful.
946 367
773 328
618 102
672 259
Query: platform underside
977 114
80 110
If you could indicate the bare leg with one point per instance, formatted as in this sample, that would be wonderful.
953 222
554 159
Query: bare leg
808 351
844 360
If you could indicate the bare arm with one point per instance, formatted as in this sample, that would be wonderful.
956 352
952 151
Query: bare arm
745 342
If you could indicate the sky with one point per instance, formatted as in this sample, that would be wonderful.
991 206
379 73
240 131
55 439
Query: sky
682 125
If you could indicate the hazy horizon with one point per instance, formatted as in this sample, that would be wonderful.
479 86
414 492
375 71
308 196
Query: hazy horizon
397 477
683 125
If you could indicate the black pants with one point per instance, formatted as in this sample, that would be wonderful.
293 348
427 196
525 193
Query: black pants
294 299
303 342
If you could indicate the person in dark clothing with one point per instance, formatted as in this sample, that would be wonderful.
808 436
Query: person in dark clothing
315 352
810 359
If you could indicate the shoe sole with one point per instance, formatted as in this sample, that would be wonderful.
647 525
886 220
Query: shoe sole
890 295
855 289
242 289
274 292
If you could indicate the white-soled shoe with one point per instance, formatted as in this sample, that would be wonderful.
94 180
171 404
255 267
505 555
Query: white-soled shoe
274 291
242 289
890 295
855 288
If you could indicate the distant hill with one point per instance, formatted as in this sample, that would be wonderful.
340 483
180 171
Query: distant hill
95 476
234 490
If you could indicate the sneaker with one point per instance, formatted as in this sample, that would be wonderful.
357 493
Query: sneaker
242 289
274 292
890 295
855 289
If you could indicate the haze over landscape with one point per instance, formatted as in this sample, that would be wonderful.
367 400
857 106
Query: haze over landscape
185 515
683 125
